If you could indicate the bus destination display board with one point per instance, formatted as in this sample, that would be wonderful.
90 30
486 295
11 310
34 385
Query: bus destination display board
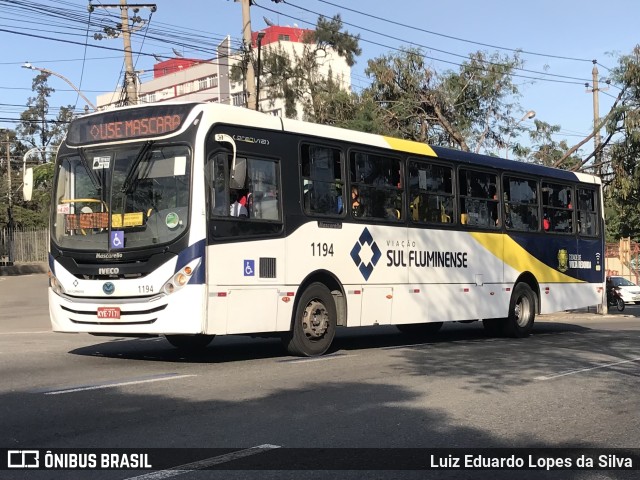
142 122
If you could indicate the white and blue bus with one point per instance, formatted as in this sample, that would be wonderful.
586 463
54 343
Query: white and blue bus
337 229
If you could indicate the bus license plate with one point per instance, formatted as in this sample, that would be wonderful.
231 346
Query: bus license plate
109 312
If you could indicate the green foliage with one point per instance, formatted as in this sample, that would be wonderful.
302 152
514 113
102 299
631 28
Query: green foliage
300 77
35 130
621 169
546 150
468 109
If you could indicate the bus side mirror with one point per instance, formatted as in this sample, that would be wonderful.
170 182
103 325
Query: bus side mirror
238 173
27 184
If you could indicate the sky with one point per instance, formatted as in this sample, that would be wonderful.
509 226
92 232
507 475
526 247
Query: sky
558 39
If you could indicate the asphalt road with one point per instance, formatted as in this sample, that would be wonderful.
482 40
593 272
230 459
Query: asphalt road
573 383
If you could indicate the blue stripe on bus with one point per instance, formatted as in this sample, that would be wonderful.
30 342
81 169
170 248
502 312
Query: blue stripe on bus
191 253
585 260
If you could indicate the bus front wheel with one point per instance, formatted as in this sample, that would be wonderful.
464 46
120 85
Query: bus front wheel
190 342
522 312
314 323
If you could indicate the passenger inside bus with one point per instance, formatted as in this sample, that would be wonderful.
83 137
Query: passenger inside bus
237 209
356 207
493 195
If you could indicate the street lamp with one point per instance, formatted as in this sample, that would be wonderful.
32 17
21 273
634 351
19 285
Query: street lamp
259 39
44 70
27 173
527 116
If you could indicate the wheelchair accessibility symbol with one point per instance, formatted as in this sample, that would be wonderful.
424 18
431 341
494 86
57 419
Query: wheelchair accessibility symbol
249 268
117 239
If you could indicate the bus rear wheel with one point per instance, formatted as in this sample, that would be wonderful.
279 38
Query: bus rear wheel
314 323
190 342
420 328
522 312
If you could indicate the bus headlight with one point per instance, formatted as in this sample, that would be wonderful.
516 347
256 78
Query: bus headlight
181 277
55 284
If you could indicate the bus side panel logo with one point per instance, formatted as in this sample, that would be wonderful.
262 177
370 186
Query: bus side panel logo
365 268
563 260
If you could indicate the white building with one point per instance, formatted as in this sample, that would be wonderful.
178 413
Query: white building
189 79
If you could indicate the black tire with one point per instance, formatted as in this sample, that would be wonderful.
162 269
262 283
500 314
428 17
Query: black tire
620 305
192 343
420 329
522 312
314 323
494 327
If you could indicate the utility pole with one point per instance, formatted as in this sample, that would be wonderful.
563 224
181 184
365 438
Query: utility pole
130 75
596 117
246 37
130 80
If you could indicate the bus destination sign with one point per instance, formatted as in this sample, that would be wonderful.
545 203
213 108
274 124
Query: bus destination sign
135 128
128 124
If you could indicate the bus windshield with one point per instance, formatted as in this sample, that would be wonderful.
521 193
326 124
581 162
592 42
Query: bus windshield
125 197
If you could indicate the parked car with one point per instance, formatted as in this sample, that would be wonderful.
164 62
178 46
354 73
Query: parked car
630 291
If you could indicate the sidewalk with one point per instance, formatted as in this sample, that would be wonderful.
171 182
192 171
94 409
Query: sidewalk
24 269
585 314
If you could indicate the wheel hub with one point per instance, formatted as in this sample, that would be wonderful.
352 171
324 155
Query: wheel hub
315 320
522 312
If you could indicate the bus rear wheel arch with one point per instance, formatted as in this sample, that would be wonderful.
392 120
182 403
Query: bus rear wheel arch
522 311
314 322
523 306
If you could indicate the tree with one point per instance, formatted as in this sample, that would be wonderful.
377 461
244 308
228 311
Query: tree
469 109
547 151
37 130
621 150
303 77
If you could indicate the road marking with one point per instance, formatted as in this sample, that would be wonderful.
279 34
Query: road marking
396 347
157 378
580 370
331 356
202 464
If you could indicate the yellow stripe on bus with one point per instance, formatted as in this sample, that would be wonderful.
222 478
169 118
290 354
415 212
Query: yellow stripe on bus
519 259
409 146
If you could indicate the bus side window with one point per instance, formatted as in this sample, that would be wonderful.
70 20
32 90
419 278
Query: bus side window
557 207
380 188
587 204
431 192
479 207
217 186
521 207
322 182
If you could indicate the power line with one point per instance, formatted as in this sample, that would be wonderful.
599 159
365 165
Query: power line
84 56
432 48
528 52
577 82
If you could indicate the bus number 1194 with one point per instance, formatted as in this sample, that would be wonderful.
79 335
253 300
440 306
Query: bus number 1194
322 249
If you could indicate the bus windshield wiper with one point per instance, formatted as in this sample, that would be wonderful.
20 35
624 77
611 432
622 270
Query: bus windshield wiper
129 181
90 171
